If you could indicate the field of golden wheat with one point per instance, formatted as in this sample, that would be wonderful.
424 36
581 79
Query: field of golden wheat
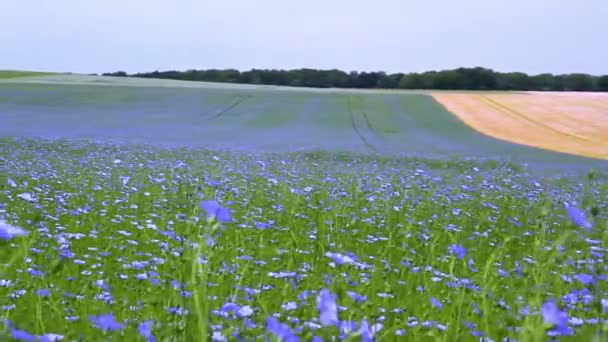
575 123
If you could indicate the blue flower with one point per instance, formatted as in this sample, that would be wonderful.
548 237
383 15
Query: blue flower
471 264
8 231
216 212
458 250
239 311
347 328
22 335
558 318
356 297
145 330
51 338
262 225
280 330
342 258
436 303
26 196
43 292
578 217
367 332
328 308
586 279
106 322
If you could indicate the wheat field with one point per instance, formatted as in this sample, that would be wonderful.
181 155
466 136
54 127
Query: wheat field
575 123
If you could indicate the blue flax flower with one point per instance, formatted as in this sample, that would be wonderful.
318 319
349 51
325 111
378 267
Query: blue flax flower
558 318
145 330
22 335
356 297
280 330
367 332
585 279
106 322
8 231
328 308
458 250
436 303
216 211
578 217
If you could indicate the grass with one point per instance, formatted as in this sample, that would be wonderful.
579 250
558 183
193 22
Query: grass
6 74
443 251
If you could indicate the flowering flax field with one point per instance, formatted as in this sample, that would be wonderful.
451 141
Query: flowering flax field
137 243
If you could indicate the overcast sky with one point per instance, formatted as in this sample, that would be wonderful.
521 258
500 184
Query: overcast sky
533 36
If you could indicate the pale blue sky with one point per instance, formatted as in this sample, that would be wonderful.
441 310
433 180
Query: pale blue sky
533 36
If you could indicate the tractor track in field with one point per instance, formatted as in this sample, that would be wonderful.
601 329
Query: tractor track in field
368 122
356 125
238 100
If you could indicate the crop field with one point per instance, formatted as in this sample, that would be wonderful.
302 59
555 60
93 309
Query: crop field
11 74
174 212
118 244
264 118
567 122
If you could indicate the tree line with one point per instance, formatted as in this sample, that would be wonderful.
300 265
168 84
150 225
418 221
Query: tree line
477 78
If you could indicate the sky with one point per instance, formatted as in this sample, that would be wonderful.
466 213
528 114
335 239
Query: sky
94 36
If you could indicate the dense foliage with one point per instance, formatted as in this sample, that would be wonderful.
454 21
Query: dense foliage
458 79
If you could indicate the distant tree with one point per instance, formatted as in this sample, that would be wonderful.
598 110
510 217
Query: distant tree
255 76
116 74
514 81
411 81
476 78
558 83
246 77
338 79
386 81
602 83
578 82
367 80
542 82
428 79
447 80
395 79
354 78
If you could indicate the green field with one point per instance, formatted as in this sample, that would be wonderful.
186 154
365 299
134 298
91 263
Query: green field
11 74
147 210
247 117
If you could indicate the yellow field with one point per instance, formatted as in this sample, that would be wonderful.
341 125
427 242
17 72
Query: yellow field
575 123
